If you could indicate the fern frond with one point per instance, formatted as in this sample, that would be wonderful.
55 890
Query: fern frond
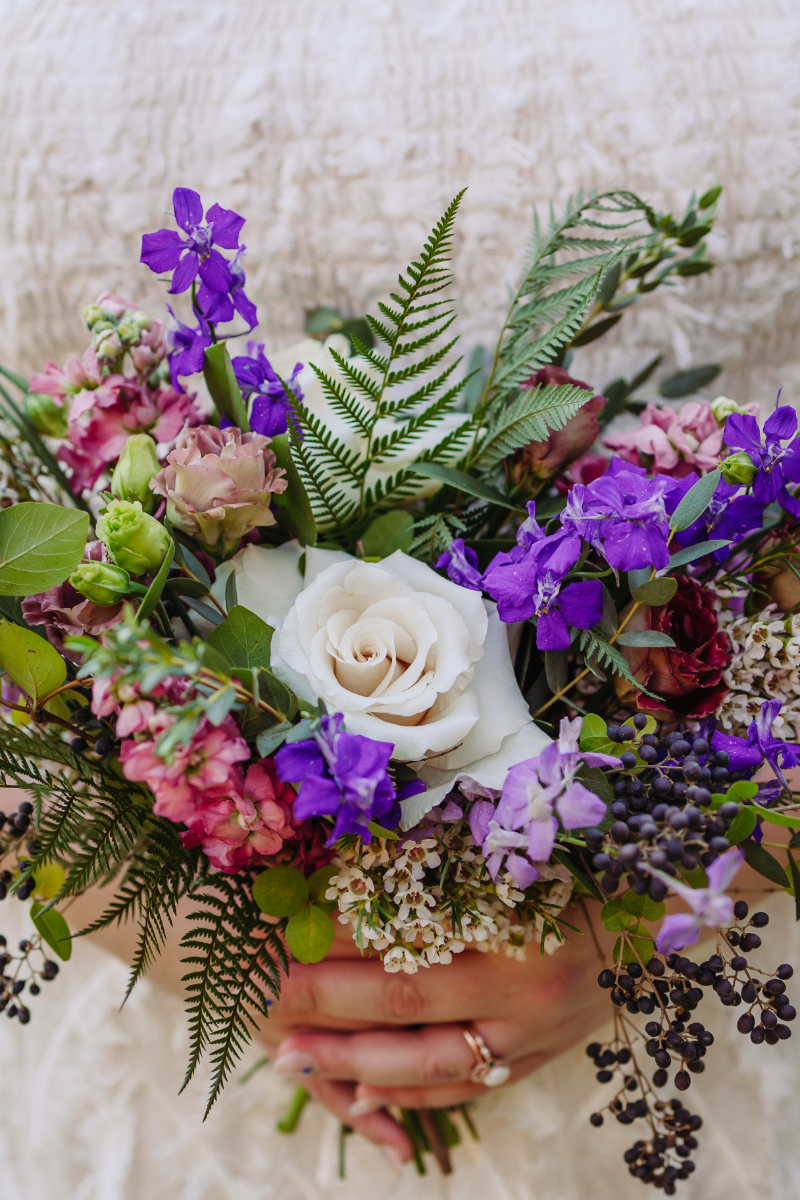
529 418
595 647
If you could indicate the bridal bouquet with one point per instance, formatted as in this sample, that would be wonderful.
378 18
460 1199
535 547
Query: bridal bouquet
352 635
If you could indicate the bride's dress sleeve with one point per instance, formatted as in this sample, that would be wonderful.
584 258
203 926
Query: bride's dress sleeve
341 131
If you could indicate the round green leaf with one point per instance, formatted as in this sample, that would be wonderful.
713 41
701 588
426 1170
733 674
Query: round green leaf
40 545
743 825
320 881
32 663
643 906
656 591
310 934
280 891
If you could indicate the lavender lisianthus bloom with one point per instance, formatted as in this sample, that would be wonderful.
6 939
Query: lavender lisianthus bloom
194 254
710 906
537 794
187 348
623 516
256 378
729 515
342 775
776 464
221 306
462 565
761 744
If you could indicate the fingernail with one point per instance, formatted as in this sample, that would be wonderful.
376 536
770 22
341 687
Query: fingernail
366 1105
295 1062
391 1155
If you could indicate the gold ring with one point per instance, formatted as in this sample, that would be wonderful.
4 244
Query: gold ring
488 1070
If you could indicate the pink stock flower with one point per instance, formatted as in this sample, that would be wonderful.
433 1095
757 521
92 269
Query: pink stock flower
672 443
134 718
82 379
199 774
249 826
218 483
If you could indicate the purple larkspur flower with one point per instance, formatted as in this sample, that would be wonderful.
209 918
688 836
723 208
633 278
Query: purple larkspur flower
522 580
623 516
776 464
729 514
186 257
710 906
220 307
462 565
760 744
257 379
537 794
342 775
187 348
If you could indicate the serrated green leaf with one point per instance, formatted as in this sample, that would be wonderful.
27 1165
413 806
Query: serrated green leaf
656 591
765 863
529 418
681 557
33 664
53 929
598 649
222 384
280 891
695 502
40 545
243 639
645 637
310 934
389 532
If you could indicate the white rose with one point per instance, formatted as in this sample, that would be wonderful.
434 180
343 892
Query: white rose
311 352
406 656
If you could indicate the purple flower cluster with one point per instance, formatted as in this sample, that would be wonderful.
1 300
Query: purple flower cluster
256 378
729 515
760 744
342 775
623 515
777 465
194 254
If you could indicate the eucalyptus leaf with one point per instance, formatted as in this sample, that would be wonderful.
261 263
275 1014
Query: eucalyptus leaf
645 637
33 664
309 934
638 577
231 597
462 483
222 384
268 740
695 502
765 863
690 553
243 638
54 930
389 532
556 665
195 567
276 694
686 382
320 881
207 611
656 591
280 891
40 545
185 587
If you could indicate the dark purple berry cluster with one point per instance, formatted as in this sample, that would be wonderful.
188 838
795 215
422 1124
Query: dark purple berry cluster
18 972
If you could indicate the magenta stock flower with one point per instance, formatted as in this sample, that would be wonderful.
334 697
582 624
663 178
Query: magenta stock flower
710 906
194 254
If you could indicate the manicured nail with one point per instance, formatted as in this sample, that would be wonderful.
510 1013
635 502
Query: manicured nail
392 1156
295 1062
366 1105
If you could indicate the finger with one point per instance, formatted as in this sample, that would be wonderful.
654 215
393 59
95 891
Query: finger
445 1095
377 1127
428 1057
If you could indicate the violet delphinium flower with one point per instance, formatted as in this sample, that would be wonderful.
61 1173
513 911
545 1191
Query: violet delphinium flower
187 349
462 565
537 794
777 464
220 306
258 380
194 254
342 775
513 577
623 516
729 515
710 906
557 608
761 744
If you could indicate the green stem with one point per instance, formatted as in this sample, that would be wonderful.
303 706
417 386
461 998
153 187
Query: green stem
290 1119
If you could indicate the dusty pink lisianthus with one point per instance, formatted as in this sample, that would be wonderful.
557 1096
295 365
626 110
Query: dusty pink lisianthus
218 483
249 826
200 772
672 443
544 460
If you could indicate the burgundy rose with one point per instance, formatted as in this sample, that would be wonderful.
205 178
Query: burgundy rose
689 677
544 460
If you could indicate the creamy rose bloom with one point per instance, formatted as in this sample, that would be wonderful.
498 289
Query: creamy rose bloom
406 656
218 483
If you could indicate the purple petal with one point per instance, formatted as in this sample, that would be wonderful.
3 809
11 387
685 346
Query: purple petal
480 815
551 632
579 808
245 308
582 603
187 208
788 503
185 273
161 251
722 869
742 753
268 416
781 424
677 931
521 871
541 839
742 432
215 273
317 797
227 226
215 306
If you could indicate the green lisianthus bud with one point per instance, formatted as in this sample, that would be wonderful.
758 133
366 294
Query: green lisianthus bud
48 418
723 407
103 583
739 468
107 344
136 540
137 465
